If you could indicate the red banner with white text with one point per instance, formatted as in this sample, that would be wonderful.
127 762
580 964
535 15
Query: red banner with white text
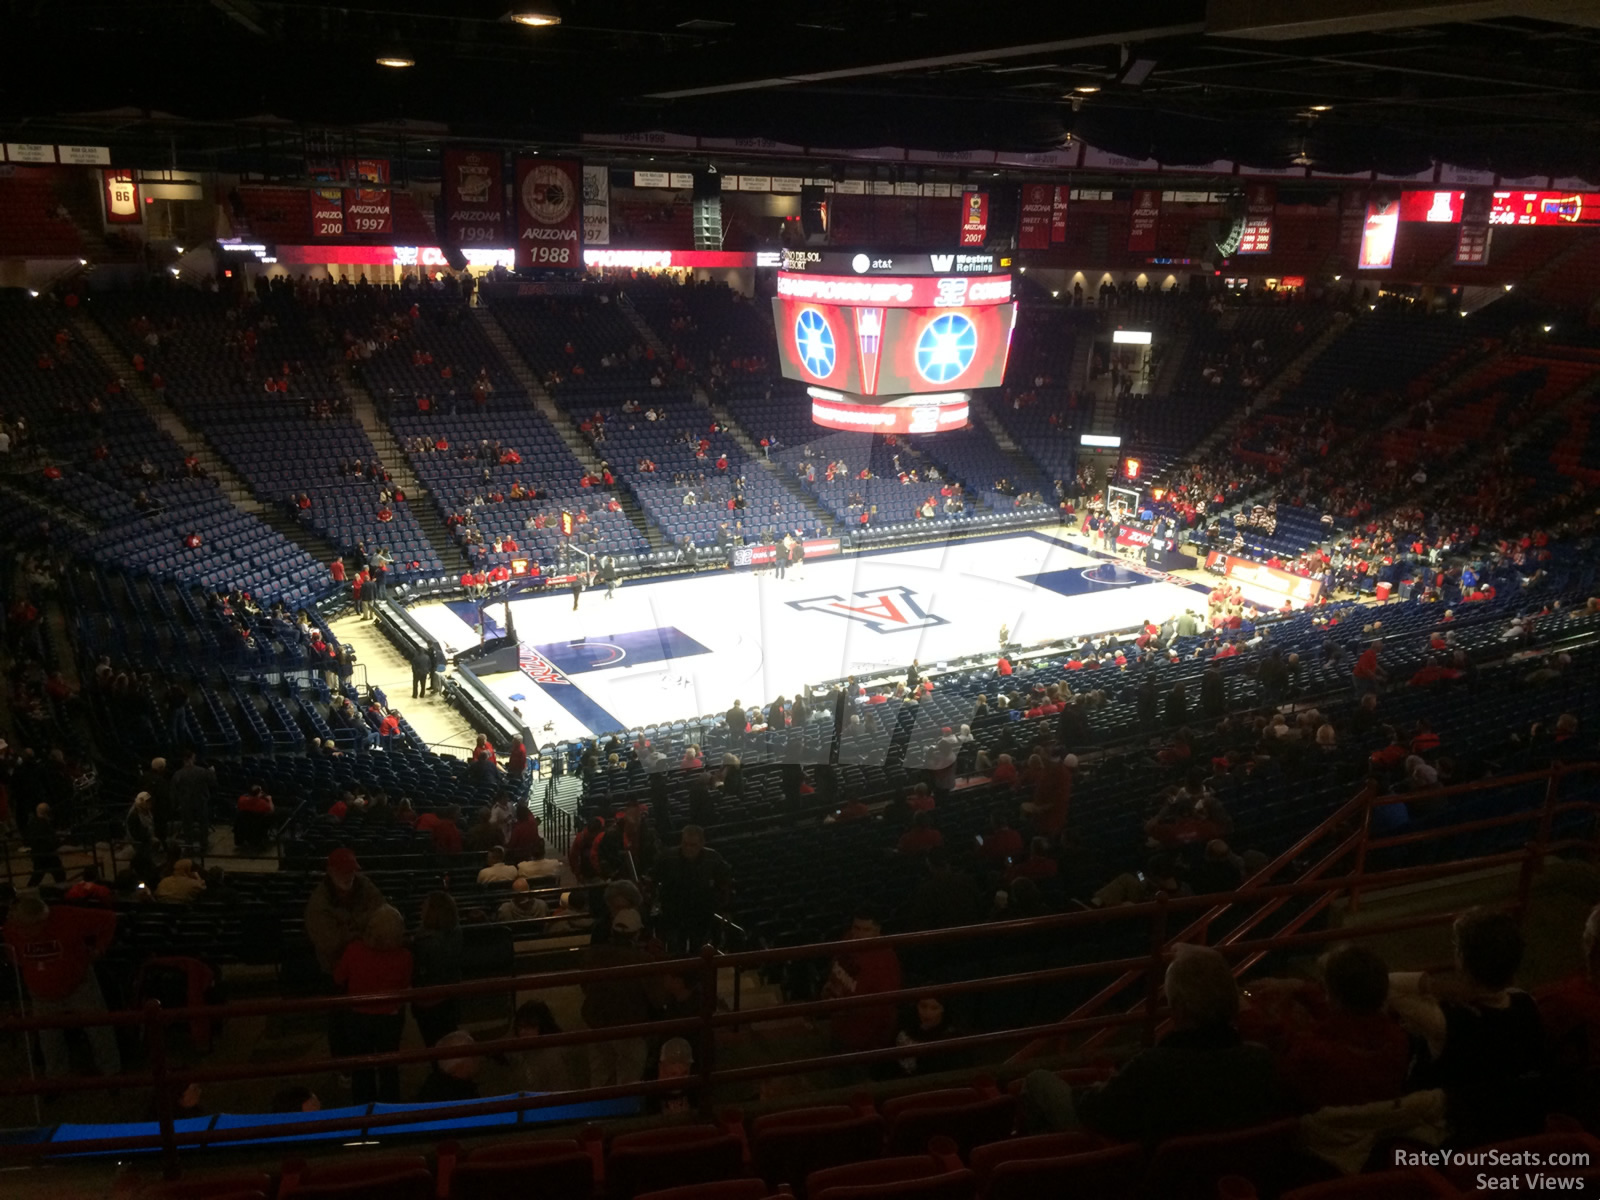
974 218
549 205
327 212
474 198
1058 214
1033 224
1144 221
368 211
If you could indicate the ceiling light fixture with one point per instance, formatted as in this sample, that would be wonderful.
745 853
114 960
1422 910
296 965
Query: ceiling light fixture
1087 89
1322 108
396 61
540 17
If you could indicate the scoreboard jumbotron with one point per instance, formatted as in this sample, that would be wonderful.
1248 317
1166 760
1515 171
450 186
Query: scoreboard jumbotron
892 343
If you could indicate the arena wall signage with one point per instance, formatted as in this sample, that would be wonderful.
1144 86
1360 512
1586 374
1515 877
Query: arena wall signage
1299 588
931 414
658 260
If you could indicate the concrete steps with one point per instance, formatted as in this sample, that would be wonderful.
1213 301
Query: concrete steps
824 518
165 417
647 335
562 423
983 412
395 462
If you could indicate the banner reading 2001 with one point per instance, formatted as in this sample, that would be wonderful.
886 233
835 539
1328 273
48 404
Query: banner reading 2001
549 200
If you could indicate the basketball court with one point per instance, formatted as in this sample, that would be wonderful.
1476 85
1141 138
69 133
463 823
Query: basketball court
681 648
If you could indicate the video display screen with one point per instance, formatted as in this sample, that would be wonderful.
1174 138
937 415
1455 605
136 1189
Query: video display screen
1442 208
882 351
1545 208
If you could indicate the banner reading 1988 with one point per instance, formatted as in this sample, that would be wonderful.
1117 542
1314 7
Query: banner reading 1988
549 203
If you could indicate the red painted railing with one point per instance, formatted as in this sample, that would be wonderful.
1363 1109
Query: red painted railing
1318 883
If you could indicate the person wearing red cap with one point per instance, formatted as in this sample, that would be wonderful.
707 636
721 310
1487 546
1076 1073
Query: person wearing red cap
339 908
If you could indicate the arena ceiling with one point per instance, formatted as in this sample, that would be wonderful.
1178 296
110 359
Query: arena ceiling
1507 85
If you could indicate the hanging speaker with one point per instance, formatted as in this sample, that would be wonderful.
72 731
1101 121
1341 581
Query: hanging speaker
813 213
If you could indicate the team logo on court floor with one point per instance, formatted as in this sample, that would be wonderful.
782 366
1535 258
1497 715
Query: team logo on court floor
882 610
538 667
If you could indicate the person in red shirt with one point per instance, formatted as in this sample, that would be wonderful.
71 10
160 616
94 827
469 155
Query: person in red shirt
1005 770
446 832
920 800
54 951
89 889
523 839
1335 1044
920 838
1040 863
252 825
337 570
861 973
1003 667
376 963
1367 673
1571 1012
1002 843
390 725
852 810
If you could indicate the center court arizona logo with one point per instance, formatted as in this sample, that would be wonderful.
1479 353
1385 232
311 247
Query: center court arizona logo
888 610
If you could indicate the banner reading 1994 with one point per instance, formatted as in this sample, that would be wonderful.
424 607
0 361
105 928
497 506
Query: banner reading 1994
549 203
474 198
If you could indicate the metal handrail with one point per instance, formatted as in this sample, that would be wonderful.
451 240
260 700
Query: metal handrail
1148 967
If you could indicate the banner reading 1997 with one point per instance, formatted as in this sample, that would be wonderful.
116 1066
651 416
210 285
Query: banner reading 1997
549 202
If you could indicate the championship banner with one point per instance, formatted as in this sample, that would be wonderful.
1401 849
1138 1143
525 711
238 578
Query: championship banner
596 205
122 197
474 198
1145 219
1378 234
327 212
1472 241
1260 200
549 203
974 218
368 210
1058 214
1033 225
